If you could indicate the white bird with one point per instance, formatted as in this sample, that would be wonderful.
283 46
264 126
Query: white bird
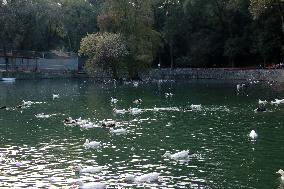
196 107
169 95
88 125
240 86
27 103
262 102
277 102
92 144
91 185
135 110
281 172
135 84
88 169
54 96
253 135
182 155
138 101
118 131
150 177
123 111
113 100
42 115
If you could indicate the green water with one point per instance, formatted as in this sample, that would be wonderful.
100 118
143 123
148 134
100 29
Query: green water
42 152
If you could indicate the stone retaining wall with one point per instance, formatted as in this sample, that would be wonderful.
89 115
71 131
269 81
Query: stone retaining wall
217 73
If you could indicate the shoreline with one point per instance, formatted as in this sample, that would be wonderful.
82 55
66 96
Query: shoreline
276 75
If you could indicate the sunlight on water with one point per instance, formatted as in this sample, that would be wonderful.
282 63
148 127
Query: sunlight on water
37 150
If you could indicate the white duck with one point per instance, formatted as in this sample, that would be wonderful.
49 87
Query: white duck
118 131
262 102
113 100
150 177
182 155
137 101
277 102
135 110
281 172
123 111
196 107
92 144
54 96
253 135
91 185
88 169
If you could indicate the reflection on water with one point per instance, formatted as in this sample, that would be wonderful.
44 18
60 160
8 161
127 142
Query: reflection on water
38 150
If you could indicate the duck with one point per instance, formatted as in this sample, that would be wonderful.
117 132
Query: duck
195 107
69 121
113 100
88 169
281 172
42 115
91 185
109 123
92 144
182 155
253 135
240 86
150 177
277 102
262 102
27 103
123 111
87 125
137 101
3 107
54 96
260 109
118 131
169 95
135 84
135 110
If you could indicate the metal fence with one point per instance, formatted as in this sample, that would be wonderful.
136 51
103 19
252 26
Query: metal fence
37 61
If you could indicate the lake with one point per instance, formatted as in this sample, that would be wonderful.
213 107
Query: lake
42 152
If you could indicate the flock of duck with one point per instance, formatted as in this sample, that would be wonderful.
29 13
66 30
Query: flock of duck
112 126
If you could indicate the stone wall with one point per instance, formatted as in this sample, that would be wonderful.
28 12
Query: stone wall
217 73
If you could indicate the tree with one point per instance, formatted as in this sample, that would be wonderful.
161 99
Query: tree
103 50
134 20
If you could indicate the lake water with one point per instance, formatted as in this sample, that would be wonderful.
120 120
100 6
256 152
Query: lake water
42 152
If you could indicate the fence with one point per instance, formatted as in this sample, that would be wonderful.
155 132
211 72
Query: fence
37 61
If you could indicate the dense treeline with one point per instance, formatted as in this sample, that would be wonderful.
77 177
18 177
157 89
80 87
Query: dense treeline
174 33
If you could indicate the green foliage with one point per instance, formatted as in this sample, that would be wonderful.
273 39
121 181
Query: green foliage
103 50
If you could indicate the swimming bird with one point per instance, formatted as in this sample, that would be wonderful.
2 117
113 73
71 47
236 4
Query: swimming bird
135 84
92 144
253 135
123 111
169 95
281 172
3 107
196 107
182 155
240 86
150 177
260 109
88 169
91 185
109 123
54 96
277 102
118 131
135 110
138 101
262 102
113 100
